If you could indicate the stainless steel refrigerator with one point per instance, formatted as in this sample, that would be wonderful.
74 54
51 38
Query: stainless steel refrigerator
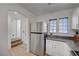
37 45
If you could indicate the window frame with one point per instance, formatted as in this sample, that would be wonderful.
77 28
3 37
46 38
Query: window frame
59 25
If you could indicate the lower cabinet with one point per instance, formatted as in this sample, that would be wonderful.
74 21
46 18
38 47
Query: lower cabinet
49 47
57 48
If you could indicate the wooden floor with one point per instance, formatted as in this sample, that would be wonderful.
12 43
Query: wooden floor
19 51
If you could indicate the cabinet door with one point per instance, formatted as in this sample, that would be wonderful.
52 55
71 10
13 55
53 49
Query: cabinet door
60 49
75 22
49 47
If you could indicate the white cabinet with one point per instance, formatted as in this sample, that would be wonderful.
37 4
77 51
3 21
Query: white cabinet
75 22
49 47
57 48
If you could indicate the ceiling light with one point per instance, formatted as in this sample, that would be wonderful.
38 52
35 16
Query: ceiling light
15 12
50 3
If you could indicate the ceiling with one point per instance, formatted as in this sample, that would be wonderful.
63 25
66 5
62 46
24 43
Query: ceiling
44 8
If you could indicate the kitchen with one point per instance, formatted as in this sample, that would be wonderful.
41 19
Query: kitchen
44 29
60 41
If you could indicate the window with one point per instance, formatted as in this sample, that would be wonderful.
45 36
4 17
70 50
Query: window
63 25
53 25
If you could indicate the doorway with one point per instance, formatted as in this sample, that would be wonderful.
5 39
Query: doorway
17 30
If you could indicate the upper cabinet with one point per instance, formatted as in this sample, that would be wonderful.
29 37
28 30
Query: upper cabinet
75 22
75 19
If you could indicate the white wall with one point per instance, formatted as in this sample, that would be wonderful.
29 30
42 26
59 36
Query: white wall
59 14
4 32
76 12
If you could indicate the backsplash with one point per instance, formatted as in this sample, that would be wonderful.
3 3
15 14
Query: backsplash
61 37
